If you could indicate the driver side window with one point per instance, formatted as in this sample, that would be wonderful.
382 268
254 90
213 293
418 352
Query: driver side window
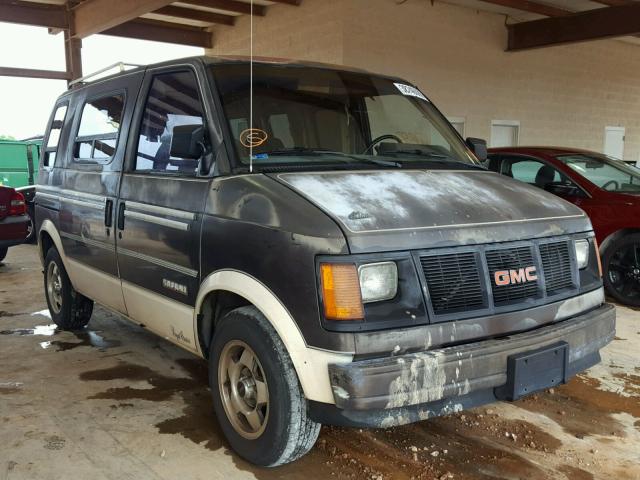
173 101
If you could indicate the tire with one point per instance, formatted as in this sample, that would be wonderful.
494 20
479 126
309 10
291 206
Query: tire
286 433
621 269
3 253
69 309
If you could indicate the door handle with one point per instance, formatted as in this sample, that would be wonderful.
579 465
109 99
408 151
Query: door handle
121 216
108 213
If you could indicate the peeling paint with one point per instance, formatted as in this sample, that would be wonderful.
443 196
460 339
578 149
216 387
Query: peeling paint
419 199
340 392
422 380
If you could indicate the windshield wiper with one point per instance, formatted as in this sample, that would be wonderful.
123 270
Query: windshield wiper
433 157
299 151
319 151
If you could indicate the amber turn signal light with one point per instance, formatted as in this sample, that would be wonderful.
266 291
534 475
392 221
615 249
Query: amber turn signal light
341 291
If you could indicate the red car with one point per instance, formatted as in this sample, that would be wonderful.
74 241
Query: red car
608 190
14 221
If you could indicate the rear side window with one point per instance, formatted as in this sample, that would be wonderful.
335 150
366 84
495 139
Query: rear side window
173 101
51 148
99 128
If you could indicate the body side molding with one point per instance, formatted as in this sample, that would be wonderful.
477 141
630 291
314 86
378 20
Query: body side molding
311 364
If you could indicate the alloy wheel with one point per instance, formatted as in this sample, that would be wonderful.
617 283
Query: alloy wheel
243 389
624 271
54 287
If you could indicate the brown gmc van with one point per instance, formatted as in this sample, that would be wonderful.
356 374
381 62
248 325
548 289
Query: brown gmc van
341 258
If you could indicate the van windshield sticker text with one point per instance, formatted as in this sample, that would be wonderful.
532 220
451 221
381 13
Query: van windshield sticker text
410 91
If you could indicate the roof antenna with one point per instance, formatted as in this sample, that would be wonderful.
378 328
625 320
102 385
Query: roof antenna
251 86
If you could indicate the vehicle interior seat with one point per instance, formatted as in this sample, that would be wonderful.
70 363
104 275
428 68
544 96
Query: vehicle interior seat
545 176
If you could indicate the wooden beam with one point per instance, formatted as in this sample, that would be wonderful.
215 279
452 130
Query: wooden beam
167 32
531 7
73 55
39 15
614 3
33 73
578 27
288 2
199 15
96 16
229 5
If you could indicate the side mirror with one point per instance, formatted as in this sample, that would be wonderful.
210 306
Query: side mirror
563 189
479 147
187 141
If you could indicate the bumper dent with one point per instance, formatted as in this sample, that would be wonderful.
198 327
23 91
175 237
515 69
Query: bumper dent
455 373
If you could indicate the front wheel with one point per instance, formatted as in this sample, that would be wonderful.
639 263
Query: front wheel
256 394
69 309
621 265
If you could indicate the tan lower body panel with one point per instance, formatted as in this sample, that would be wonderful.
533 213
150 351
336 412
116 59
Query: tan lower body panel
165 317
98 286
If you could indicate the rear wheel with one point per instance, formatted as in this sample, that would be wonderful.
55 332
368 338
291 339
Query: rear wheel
256 394
621 265
3 253
69 309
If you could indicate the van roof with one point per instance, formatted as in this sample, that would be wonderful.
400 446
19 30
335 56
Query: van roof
222 59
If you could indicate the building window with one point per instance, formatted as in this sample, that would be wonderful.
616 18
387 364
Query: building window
458 123
505 133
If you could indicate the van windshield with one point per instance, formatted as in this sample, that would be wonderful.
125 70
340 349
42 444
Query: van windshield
317 116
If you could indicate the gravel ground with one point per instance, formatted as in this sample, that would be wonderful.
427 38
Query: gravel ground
116 402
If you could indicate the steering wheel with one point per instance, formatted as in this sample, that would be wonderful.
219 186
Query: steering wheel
611 182
377 140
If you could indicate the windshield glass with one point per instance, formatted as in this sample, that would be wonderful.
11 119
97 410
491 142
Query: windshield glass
307 115
611 175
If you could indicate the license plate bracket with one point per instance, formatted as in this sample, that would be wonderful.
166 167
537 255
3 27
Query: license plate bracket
535 370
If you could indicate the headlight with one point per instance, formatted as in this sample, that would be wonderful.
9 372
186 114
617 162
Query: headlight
582 253
378 281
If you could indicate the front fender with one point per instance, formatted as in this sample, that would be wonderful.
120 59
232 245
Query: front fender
311 364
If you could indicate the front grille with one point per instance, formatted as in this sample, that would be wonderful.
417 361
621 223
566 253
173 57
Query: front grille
556 264
511 259
464 283
453 281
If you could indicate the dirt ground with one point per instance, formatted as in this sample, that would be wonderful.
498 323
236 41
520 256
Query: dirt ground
116 402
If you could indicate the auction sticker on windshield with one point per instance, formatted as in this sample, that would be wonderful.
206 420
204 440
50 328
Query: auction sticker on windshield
410 91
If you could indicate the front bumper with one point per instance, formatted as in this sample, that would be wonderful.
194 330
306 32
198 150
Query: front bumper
435 382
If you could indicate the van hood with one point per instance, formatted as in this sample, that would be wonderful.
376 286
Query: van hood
413 209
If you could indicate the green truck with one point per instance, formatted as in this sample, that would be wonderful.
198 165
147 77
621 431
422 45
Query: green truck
19 162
